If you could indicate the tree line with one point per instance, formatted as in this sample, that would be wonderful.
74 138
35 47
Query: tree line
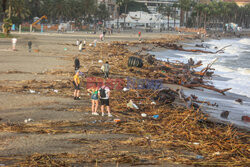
192 13
207 15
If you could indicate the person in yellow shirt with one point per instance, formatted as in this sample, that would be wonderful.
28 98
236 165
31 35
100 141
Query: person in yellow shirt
76 83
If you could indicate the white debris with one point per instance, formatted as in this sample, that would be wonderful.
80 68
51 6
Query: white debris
32 91
125 89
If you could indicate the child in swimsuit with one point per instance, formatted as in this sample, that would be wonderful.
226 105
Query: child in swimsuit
94 98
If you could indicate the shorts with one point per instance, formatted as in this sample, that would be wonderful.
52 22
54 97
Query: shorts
77 87
104 102
94 96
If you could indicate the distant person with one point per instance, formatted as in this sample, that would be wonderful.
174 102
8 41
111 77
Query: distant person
95 43
101 37
139 35
77 64
30 45
77 42
105 68
76 82
84 43
94 98
104 94
104 32
80 46
14 41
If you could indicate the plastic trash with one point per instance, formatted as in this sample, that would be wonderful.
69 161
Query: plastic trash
199 157
195 143
65 49
28 120
143 115
100 61
153 102
125 89
156 116
117 120
132 105
56 91
216 153
32 91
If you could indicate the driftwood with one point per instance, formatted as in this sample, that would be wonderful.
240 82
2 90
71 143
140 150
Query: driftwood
180 48
207 87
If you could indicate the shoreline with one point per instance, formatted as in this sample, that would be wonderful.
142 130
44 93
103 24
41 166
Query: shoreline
210 96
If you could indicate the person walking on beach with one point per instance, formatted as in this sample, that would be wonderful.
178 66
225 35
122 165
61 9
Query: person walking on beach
76 82
80 46
139 35
77 64
105 68
14 40
30 45
104 93
94 98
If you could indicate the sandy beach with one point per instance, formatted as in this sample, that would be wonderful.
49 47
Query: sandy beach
37 86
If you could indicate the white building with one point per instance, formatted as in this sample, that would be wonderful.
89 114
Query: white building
144 20
152 5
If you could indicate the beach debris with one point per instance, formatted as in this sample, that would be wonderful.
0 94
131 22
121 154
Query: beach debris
239 101
224 114
153 103
195 143
134 61
216 153
32 91
55 90
28 120
100 61
117 120
143 115
166 96
155 116
199 157
65 49
132 105
125 89
245 118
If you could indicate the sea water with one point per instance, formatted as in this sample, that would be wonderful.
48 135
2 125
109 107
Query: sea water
232 70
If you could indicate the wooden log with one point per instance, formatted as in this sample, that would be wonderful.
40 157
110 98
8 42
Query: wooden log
207 87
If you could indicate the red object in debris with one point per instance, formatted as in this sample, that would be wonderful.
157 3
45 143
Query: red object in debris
245 118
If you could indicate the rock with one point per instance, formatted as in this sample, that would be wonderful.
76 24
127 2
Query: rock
239 101
224 114
245 118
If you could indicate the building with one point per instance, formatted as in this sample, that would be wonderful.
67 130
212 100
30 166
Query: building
144 20
152 5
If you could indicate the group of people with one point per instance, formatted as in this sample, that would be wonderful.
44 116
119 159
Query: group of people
102 93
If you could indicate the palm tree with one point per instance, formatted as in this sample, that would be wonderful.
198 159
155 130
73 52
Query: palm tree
165 10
